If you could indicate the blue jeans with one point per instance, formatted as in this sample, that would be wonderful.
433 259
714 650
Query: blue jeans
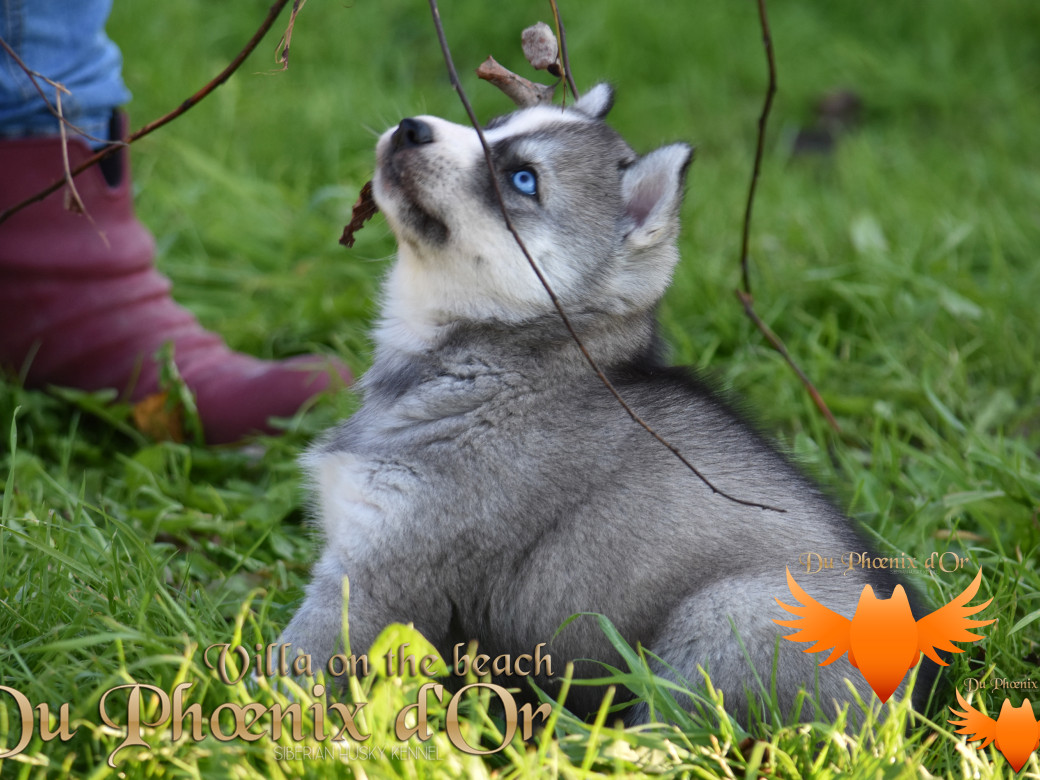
65 41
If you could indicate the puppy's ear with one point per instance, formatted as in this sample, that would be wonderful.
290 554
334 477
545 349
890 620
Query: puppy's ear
596 102
652 191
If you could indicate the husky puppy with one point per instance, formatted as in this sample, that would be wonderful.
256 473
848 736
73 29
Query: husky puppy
490 487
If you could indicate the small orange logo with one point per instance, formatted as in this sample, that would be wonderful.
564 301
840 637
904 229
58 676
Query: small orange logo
883 640
1015 732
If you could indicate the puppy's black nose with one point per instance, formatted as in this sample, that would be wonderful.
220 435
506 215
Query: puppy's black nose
411 132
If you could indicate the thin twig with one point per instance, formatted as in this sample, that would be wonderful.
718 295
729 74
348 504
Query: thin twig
58 87
286 41
63 123
191 102
763 118
745 295
778 345
521 91
457 85
72 192
561 35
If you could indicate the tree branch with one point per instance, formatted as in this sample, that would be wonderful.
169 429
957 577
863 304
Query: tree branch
191 102
763 119
457 85
521 91
565 60
744 295
59 90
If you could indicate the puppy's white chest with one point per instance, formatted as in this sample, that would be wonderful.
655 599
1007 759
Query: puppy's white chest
364 501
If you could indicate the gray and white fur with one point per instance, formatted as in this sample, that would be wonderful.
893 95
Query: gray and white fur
489 486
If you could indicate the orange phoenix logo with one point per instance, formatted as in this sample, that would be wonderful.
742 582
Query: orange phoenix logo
883 640
1015 732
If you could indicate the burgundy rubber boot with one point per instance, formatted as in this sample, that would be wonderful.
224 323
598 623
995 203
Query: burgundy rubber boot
82 305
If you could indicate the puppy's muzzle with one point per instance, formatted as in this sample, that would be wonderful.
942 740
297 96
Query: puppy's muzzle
411 133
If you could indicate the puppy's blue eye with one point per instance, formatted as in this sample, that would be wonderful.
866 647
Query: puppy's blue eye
525 181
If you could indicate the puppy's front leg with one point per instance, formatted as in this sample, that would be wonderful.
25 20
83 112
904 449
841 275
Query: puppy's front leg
317 627
369 510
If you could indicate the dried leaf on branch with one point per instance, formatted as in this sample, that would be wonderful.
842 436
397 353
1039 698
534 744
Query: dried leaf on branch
364 209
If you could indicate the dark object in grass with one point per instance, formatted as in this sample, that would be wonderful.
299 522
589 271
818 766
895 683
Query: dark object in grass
837 112
364 209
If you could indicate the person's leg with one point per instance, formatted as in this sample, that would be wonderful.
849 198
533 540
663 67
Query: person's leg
81 303
65 41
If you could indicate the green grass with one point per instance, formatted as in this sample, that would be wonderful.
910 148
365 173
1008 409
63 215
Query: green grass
901 272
